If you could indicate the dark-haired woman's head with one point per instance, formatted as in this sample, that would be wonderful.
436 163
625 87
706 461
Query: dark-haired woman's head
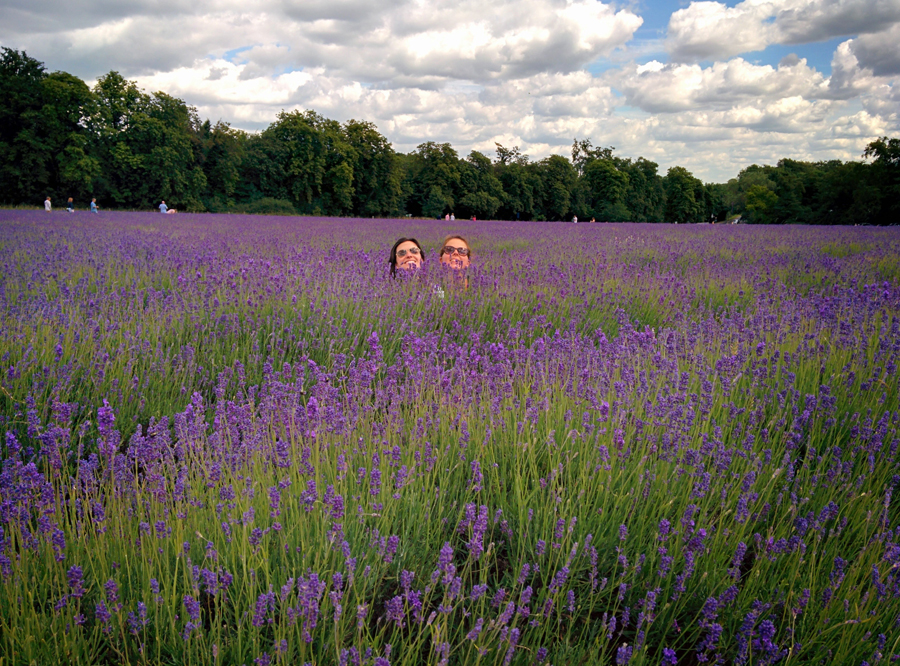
455 252
406 254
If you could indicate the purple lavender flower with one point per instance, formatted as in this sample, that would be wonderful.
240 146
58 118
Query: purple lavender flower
394 611
192 607
59 544
75 577
103 616
476 630
112 594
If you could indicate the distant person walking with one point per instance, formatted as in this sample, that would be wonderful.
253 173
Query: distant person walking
47 205
94 207
575 219
70 205
163 208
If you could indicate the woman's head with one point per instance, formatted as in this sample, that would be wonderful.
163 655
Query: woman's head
406 254
455 252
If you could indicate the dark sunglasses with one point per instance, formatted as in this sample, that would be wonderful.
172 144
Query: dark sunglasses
461 251
412 250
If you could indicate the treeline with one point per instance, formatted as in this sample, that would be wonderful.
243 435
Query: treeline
129 149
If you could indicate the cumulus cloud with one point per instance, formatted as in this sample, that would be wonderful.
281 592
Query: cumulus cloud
472 73
713 30
373 42
804 21
656 87
880 52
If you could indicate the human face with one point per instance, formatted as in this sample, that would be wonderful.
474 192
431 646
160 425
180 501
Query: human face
451 256
408 255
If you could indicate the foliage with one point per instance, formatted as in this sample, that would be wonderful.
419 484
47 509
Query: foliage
129 149
684 196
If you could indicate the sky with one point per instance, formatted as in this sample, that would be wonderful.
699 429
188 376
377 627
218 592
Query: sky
710 86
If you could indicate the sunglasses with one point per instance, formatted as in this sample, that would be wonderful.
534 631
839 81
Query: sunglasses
461 251
403 253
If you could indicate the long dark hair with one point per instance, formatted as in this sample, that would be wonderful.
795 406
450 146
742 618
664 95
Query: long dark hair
392 260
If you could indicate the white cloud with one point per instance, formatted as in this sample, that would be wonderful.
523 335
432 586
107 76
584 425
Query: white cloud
880 52
410 41
659 88
804 21
713 30
472 73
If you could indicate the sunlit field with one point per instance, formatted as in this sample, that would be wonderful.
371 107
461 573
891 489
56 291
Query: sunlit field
237 440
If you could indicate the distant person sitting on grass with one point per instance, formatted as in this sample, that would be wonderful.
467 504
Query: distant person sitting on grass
163 208
406 254
47 205
94 207
70 205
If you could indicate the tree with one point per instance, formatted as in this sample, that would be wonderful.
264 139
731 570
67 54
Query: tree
434 175
557 182
583 152
319 162
67 105
222 151
606 188
885 171
482 190
508 156
518 182
118 105
645 197
25 157
683 196
377 188
760 201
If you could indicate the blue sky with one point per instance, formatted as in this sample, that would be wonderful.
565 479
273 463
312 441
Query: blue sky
709 86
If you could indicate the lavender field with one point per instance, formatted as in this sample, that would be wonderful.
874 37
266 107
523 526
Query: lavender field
237 440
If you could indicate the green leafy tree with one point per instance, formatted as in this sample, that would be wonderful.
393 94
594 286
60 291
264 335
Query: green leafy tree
684 195
26 158
146 145
517 180
377 175
434 179
263 170
68 104
482 190
583 153
319 162
557 180
760 201
221 153
509 156
885 172
645 196
606 189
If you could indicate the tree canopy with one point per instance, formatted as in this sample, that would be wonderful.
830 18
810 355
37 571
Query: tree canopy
129 149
